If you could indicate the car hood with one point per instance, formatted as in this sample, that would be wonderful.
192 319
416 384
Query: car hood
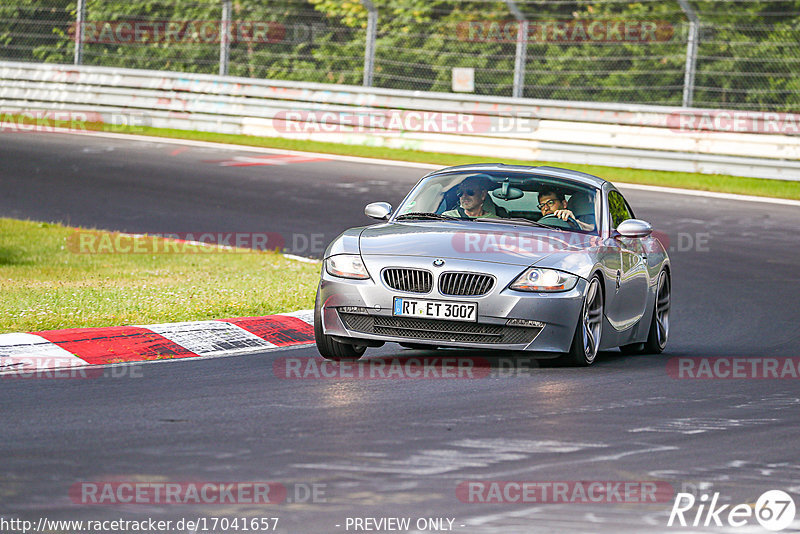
479 241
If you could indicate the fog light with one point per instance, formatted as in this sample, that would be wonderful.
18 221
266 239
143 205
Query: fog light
525 322
353 309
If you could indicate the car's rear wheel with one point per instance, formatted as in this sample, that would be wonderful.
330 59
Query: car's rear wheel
586 340
328 347
659 326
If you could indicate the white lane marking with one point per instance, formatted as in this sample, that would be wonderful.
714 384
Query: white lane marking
773 402
691 425
423 463
301 258
469 454
524 445
708 194
29 352
208 338
601 458
271 159
412 165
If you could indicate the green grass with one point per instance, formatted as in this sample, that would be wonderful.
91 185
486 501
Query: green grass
47 283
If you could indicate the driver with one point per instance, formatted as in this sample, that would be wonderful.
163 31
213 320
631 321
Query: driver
552 202
473 198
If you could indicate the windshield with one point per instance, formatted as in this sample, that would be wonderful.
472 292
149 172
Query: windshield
504 197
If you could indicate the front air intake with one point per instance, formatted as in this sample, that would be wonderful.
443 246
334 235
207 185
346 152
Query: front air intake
465 284
408 280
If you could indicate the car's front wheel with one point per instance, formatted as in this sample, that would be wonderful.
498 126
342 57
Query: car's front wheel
328 347
586 340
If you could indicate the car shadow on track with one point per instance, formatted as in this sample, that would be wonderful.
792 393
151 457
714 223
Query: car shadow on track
497 361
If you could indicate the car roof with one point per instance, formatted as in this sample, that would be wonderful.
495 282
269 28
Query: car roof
543 170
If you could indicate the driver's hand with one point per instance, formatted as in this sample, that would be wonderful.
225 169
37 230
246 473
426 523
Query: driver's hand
564 214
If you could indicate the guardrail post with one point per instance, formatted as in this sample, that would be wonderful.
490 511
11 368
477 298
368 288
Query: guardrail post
224 38
369 46
522 49
691 53
80 17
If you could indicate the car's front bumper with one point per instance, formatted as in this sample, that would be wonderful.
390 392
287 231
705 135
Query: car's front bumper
362 309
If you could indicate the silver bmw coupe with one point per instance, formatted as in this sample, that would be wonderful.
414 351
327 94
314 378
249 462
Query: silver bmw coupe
538 259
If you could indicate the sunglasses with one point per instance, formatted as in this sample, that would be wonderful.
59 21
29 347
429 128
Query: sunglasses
548 203
468 192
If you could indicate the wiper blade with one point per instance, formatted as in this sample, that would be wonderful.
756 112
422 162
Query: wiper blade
425 215
513 220
559 228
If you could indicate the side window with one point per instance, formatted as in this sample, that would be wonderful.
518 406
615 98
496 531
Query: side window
619 209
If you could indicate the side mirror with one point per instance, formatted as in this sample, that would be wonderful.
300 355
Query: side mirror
378 210
634 228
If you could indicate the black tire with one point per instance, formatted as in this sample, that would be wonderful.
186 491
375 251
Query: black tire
659 325
329 348
588 332
418 346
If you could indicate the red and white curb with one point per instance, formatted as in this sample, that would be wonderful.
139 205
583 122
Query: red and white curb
80 347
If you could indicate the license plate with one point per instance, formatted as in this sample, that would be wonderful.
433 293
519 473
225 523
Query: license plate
435 309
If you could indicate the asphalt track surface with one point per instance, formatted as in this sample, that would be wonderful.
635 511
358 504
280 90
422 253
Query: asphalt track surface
401 447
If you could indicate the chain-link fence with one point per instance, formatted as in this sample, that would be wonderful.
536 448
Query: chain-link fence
740 54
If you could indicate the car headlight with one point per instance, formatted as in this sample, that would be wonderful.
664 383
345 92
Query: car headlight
536 279
346 266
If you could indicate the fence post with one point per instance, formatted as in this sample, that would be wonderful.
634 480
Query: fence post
369 47
224 38
691 53
522 50
80 18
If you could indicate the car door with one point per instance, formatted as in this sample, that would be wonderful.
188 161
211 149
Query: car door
627 305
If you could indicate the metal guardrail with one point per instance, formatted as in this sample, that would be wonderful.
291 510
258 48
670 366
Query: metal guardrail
619 135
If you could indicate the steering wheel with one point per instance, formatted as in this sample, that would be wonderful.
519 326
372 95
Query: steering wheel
570 222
